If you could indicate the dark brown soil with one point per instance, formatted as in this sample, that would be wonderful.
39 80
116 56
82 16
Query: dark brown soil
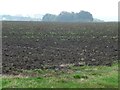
34 45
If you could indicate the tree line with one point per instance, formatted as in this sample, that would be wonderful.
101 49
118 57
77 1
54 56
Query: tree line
82 16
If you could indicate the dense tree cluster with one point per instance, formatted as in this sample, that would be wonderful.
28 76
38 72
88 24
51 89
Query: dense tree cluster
64 16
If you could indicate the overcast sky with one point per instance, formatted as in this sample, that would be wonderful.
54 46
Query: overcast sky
102 9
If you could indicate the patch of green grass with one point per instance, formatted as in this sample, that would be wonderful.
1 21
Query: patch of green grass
75 77
0 83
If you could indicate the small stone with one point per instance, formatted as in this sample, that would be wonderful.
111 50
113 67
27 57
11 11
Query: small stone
82 59
93 59
81 54
81 79
30 53
104 36
37 40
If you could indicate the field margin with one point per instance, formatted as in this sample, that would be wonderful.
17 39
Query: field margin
0 54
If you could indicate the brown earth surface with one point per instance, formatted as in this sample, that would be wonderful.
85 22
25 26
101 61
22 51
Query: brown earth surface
34 45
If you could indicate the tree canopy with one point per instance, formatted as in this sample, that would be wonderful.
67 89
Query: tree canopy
64 16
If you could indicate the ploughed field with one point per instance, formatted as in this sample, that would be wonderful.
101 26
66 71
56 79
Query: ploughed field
40 45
